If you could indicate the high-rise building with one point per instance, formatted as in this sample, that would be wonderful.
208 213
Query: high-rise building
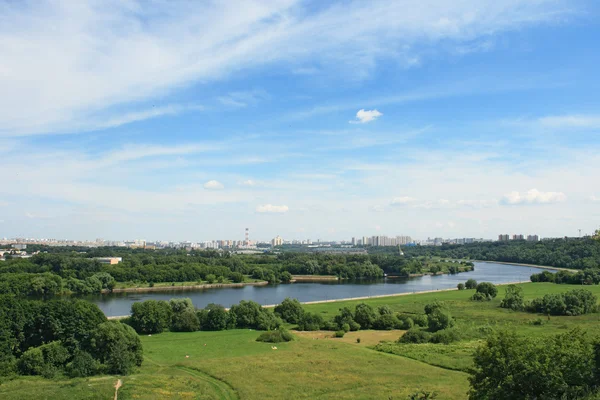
365 241
277 241
533 238
353 241
503 238
517 237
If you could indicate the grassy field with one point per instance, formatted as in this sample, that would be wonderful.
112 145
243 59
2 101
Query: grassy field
232 365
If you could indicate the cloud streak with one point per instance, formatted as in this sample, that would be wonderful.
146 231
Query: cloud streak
533 196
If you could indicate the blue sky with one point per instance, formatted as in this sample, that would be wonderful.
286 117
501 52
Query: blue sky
193 120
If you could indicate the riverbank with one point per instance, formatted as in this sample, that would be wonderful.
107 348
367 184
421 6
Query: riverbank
314 278
528 265
185 287
360 298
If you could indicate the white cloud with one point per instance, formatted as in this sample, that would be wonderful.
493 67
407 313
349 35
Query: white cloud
69 66
213 185
533 196
248 182
269 208
571 121
400 201
243 99
362 116
377 208
477 203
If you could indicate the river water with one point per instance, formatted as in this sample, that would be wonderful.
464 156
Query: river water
118 304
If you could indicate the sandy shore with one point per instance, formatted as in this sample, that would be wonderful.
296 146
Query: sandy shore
528 265
188 287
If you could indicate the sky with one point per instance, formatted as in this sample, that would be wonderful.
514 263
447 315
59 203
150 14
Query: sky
177 120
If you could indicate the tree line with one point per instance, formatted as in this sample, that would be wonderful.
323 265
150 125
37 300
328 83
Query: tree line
70 337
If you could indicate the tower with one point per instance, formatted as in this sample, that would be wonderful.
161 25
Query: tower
247 241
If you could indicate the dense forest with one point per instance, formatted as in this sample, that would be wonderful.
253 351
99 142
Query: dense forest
570 253
69 337
56 270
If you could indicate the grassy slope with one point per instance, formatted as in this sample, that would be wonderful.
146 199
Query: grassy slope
233 365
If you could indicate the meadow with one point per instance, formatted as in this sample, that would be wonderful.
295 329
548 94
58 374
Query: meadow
232 365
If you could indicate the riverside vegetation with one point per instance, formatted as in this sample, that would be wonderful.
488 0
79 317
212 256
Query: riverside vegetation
64 270
452 350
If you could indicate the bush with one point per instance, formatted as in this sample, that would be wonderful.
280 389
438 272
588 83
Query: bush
422 395
185 321
471 284
345 327
431 307
210 278
290 310
267 321
461 286
236 277
574 302
310 322
415 336
214 317
488 289
439 320
382 310
150 316
406 323
117 346
364 315
246 314
357 340
420 320
514 299
344 317
480 297
340 334
82 365
276 336
446 336
285 277
386 322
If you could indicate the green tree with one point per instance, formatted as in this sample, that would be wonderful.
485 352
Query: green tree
246 314
471 284
117 346
514 298
461 286
439 319
214 318
290 310
486 289
310 322
151 316
364 315
82 365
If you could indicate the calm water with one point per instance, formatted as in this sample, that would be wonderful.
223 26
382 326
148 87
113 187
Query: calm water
120 303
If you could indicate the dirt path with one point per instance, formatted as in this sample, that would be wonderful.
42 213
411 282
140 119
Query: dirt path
117 386
225 391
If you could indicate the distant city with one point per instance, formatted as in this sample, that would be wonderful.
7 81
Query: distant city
247 244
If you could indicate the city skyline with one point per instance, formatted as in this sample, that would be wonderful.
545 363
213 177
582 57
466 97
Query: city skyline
298 118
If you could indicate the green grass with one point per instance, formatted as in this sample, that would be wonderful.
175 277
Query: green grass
232 365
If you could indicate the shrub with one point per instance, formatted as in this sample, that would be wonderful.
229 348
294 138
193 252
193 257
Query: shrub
214 317
340 334
364 315
246 314
422 395
344 317
431 307
236 277
276 336
82 365
415 336
420 320
117 346
471 284
480 297
357 340
267 321
185 321
210 278
446 336
537 321
488 289
574 302
290 310
439 320
310 322
382 310
406 323
514 299
345 327
285 277
386 322
461 286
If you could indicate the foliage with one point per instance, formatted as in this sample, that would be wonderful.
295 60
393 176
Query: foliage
290 310
488 289
117 346
415 336
439 319
471 284
340 333
151 316
276 336
461 286
514 298
574 302
364 315
386 322
422 395
82 365
214 317
310 322
246 314
511 367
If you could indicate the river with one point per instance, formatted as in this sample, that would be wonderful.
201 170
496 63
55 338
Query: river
118 304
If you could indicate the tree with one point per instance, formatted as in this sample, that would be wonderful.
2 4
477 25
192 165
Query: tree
310 322
267 321
511 367
246 314
431 307
117 346
364 315
439 319
185 321
487 289
214 318
82 365
471 284
151 316
514 298
236 277
290 310
285 277
385 309
461 286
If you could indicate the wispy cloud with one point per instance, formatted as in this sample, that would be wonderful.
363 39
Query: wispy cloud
401 201
533 196
214 185
100 56
571 121
363 116
271 209
243 99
